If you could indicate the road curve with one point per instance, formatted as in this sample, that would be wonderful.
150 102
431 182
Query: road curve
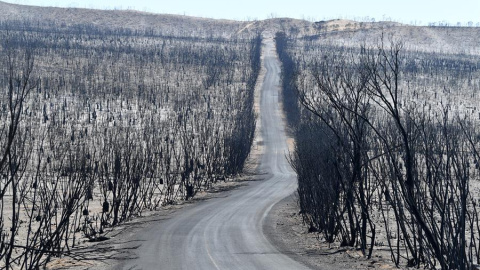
227 233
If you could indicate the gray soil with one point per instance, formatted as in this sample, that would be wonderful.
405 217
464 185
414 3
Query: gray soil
285 229
255 227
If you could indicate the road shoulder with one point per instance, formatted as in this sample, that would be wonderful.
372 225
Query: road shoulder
117 247
285 230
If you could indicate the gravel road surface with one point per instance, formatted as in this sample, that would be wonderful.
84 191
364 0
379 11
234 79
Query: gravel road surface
227 232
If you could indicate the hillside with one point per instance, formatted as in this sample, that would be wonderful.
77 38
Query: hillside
444 39
166 24
108 115
134 20
419 38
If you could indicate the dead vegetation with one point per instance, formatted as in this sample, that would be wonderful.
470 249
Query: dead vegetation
100 125
378 166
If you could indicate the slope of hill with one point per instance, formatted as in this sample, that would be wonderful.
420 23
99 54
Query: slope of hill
160 73
456 40
134 20
161 23
424 38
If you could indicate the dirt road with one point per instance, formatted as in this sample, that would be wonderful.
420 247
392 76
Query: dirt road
227 233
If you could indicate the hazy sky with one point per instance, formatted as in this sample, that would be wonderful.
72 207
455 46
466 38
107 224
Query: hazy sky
406 11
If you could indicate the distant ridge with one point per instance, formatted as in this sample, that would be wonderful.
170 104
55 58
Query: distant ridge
137 20
443 39
130 19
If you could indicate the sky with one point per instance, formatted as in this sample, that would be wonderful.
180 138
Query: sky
419 12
